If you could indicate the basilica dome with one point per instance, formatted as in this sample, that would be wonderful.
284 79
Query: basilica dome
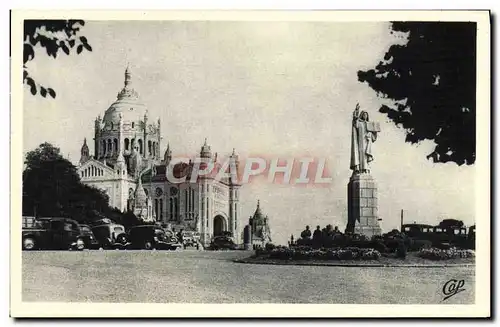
127 104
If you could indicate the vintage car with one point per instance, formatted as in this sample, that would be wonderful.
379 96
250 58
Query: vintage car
88 237
223 243
111 236
51 233
438 236
191 238
151 237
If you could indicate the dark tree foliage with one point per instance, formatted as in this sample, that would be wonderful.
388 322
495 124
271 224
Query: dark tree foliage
128 219
432 82
52 187
53 36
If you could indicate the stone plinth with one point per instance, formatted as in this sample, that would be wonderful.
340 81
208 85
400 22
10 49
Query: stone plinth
362 206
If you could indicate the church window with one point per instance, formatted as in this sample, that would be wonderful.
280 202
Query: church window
133 124
127 143
202 208
149 147
111 125
103 147
140 146
161 209
156 209
115 141
171 209
176 207
109 146
192 199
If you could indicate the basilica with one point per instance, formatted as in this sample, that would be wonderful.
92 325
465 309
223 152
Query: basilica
128 166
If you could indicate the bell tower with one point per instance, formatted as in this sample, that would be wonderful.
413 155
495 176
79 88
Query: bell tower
84 152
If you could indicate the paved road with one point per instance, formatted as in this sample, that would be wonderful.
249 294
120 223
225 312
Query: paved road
212 277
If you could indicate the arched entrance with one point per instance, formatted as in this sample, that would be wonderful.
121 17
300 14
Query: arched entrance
220 225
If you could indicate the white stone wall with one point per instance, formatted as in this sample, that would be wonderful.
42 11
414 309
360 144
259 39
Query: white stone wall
109 187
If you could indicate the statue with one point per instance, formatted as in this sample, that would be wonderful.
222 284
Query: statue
364 133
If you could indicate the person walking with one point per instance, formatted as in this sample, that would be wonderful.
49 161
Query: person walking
180 238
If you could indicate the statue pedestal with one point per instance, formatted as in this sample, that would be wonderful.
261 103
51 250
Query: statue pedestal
362 206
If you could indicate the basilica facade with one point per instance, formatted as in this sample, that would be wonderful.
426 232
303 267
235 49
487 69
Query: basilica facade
128 167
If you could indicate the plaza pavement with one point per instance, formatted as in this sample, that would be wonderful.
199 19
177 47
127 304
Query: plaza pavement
212 277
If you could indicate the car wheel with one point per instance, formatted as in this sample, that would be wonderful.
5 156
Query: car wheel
148 245
29 243
122 239
80 244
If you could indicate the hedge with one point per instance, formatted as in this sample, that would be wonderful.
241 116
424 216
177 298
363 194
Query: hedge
308 253
445 254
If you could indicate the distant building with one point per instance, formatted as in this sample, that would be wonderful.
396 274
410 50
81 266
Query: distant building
261 233
128 166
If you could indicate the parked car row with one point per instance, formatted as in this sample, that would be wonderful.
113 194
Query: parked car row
52 233
56 233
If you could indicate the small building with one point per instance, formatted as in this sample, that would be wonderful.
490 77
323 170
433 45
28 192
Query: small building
259 223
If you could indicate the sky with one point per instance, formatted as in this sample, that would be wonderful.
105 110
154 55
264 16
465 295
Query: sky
272 89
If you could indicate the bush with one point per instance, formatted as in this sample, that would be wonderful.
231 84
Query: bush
270 246
445 254
309 253
401 251
371 254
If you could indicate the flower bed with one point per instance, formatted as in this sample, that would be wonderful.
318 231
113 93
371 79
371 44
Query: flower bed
438 254
308 253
